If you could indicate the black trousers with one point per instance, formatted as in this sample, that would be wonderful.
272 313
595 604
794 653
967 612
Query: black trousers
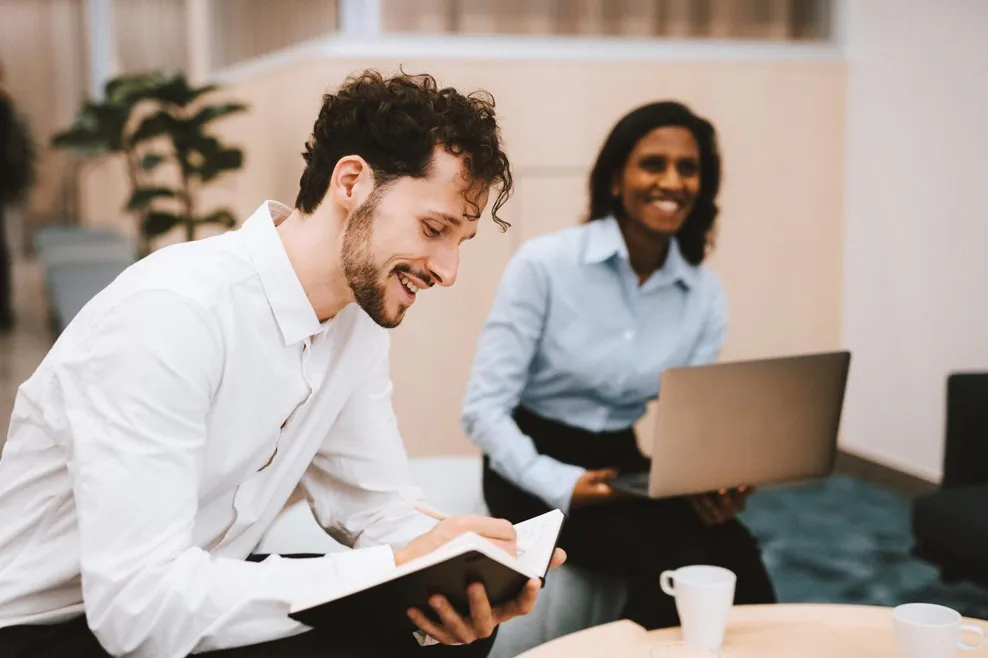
73 639
633 538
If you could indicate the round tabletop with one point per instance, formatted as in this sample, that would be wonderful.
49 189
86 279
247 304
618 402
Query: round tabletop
757 631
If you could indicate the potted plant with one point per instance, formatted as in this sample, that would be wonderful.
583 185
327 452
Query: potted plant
17 174
155 120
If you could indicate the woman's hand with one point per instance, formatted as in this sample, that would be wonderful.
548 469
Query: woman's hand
592 488
720 507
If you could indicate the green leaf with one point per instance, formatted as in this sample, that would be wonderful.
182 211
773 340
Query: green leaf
227 159
143 196
175 90
223 217
155 125
170 89
100 127
151 160
206 158
120 87
97 128
205 145
201 91
81 141
130 89
158 223
187 136
213 112
194 150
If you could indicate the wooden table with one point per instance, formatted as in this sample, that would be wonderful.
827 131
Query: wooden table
757 631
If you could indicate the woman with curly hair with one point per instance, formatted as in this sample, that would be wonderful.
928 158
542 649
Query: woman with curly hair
585 321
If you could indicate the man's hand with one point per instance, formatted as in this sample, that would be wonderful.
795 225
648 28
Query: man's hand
592 488
720 507
498 531
483 619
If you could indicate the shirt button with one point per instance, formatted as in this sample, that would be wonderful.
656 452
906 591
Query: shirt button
629 335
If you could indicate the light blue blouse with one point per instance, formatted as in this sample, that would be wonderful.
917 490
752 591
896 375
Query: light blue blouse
573 337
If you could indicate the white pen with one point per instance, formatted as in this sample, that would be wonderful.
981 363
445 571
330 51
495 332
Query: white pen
428 511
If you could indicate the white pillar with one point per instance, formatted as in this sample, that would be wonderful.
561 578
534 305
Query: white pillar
198 30
102 42
360 18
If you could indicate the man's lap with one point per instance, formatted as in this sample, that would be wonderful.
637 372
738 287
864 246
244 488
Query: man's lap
334 645
73 639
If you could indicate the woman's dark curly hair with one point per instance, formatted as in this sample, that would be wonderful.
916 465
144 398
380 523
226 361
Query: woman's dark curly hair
395 124
693 235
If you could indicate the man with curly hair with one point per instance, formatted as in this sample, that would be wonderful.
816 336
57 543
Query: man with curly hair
184 405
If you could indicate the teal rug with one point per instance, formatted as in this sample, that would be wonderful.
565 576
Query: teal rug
844 541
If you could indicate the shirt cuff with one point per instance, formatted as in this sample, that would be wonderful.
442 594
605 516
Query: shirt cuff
426 640
314 580
359 567
552 481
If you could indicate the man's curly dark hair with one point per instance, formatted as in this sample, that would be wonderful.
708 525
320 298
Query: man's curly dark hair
395 124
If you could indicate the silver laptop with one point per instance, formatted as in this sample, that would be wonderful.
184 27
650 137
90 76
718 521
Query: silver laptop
744 423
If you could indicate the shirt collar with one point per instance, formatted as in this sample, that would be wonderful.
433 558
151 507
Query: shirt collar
605 241
292 311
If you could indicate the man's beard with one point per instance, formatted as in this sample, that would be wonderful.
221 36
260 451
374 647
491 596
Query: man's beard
365 280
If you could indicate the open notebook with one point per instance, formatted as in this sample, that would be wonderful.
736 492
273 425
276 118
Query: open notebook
381 604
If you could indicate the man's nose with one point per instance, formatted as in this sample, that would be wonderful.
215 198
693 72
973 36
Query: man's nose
443 265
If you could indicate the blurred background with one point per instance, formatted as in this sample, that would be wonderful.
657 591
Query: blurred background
854 148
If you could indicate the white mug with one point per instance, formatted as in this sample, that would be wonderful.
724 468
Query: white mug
704 596
925 630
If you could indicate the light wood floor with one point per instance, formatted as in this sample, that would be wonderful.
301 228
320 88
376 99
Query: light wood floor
22 350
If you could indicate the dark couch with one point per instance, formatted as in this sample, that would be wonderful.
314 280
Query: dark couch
951 525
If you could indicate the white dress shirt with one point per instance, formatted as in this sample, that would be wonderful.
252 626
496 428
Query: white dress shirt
164 432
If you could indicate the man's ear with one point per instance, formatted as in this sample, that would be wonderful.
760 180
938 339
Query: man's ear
351 182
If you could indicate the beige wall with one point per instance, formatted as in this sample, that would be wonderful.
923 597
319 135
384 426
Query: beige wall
779 249
43 54
915 305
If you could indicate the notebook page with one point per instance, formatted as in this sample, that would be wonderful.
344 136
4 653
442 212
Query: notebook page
537 540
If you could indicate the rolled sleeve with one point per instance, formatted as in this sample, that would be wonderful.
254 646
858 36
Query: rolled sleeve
301 579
